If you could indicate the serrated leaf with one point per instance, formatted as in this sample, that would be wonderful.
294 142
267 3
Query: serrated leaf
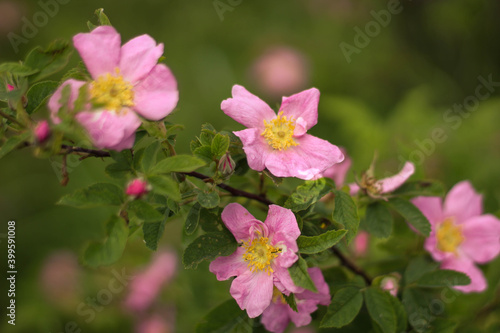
208 200
38 94
103 18
401 317
100 194
420 188
210 220
442 278
290 300
50 60
149 157
344 307
224 318
178 163
110 250
412 214
144 211
220 145
154 231
378 220
380 308
346 213
315 244
300 276
418 267
165 185
208 247
307 194
12 143
17 68
192 219
204 152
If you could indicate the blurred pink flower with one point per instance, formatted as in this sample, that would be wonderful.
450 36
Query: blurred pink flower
391 284
42 131
137 188
461 234
127 82
145 286
278 314
268 249
279 142
374 187
338 171
59 278
360 243
154 324
281 71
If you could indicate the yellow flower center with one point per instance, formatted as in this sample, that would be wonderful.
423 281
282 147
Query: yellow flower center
112 92
259 254
449 236
279 132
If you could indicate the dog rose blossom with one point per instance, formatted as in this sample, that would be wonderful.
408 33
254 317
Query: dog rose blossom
279 142
262 260
278 314
127 82
461 234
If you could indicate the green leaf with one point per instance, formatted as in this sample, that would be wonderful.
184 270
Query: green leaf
204 152
378 220
346 213
224 318
165 185
192 219
103 18
220 145
209 200
307 194
49 61
290 300
344 307
38 94
440 325
420 188
416 303
149 157
100 194
17 68
412 214
178 163
442 278
122 166
300 275
210 220
418 267
12 143
144 211
315 244
110 250
208 247
380 308
401 317
154 231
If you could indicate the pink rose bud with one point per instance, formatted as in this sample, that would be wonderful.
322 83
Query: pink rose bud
226 165
391 284
42 131
137 188
10 87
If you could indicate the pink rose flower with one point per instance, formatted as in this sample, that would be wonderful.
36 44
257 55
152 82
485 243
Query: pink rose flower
338 171
279 142
360 243
278 314
127 83
145 286
137 188
267 251
375 188
461 234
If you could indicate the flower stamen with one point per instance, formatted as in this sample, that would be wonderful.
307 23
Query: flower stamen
112 92
449 236
279 132
259 254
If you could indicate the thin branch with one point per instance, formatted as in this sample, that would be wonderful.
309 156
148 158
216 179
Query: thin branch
352 266
12 119
89 152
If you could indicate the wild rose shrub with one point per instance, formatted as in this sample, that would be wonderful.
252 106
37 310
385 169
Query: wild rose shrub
300 264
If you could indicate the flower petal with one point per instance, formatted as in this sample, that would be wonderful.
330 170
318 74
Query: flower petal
54 101
283 281
303 106
157 95
239 221
431 207
138 57
253 292
232 265
482 238
338 171
108 129
99 49
305 308
391 183
463 202
255 147
275 317
310 157
464 265
323 295
283 220
431 245
247 109
126 143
